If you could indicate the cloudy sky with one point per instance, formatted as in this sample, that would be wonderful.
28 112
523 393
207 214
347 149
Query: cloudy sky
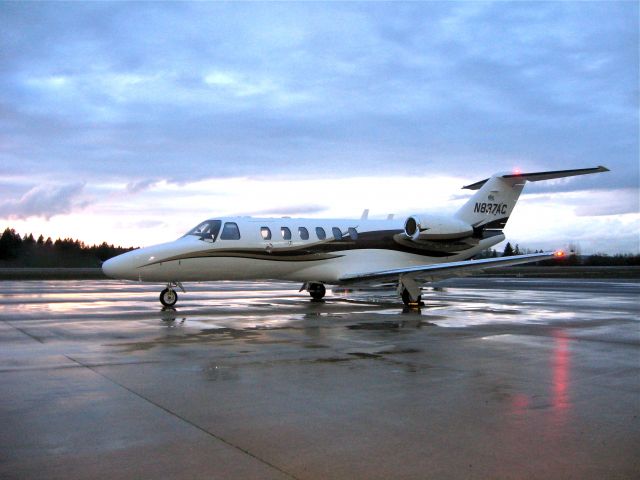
131 122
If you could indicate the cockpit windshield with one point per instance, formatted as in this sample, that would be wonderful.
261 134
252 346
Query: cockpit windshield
206 230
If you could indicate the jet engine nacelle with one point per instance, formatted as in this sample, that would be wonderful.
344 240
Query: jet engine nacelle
430 227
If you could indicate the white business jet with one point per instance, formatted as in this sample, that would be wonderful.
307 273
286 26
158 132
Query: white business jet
406 252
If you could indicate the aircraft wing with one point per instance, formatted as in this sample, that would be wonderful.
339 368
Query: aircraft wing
441 271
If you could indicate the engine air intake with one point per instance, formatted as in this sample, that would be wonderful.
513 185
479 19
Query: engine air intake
431 227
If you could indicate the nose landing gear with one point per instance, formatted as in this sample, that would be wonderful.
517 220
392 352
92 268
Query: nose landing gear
168 296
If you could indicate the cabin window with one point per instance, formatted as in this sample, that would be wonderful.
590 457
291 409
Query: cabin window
320 233
230 231
286 233
266 233
206 230
353 233
304 233
337 233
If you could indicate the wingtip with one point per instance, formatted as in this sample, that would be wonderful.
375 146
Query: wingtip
602 168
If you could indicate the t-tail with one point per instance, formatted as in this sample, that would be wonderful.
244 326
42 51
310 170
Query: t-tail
492 205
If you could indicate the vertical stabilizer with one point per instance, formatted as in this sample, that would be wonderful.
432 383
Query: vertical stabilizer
492 205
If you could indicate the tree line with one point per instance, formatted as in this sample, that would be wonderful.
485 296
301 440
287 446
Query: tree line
571 258
27 251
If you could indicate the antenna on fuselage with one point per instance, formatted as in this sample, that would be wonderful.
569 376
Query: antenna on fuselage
365 214
390 216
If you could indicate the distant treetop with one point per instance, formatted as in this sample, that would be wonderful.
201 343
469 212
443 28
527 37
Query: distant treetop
26 251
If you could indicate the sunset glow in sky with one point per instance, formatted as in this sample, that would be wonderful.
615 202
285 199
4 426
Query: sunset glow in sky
132 122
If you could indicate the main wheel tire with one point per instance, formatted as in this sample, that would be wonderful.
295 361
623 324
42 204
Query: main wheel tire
317 291
168 297
406 298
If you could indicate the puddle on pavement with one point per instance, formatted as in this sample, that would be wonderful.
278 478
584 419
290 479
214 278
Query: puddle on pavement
390 325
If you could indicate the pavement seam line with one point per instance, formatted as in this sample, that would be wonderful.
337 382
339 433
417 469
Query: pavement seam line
33 337
187 421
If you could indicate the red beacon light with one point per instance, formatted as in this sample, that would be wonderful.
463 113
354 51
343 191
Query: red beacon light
517 171
558 254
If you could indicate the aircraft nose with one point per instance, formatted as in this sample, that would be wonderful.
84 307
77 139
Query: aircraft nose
118 267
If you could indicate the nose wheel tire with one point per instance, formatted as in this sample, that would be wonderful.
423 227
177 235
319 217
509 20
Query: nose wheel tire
317 291
168 297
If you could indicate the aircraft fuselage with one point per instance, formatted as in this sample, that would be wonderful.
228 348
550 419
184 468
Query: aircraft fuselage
349 246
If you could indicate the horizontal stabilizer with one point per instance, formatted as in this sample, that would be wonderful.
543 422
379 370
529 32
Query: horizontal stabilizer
537 176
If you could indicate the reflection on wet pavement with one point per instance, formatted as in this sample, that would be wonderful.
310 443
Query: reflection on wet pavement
254 380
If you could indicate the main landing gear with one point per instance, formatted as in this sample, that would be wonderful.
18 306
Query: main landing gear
409 290
408 301
315 289
168 296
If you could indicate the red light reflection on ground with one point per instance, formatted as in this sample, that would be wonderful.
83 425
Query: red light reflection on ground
519 403
561 365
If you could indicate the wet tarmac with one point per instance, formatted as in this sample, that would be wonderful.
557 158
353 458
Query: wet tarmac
492 378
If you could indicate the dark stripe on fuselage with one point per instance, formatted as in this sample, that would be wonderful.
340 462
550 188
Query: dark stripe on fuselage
248 253
393 240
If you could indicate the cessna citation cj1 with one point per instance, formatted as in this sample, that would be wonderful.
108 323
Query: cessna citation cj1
406 252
